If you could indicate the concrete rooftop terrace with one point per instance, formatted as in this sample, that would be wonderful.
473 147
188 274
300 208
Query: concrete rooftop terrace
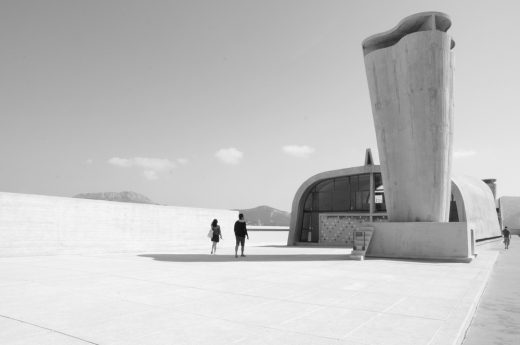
276 295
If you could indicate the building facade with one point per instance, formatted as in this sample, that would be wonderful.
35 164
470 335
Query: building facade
329 206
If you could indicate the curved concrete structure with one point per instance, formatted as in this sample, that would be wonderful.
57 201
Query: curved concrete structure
476 206
409 70
297 205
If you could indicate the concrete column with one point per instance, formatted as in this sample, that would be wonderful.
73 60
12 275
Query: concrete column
409 70
372 197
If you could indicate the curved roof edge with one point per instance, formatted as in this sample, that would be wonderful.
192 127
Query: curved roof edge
422 21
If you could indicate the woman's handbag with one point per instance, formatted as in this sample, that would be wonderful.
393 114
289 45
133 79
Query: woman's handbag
210 233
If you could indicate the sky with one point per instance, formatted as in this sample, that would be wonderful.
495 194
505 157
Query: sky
228 104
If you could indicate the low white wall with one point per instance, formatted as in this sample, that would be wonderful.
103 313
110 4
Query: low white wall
40 225
421 240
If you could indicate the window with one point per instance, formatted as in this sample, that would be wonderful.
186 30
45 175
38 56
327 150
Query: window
379 193
364 182
341 194
324 202
310 227
325 186
339 202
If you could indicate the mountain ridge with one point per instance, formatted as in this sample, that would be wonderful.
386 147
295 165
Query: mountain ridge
266 216
257 216
124 196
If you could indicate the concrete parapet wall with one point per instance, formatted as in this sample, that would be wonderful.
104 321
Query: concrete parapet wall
421 240
41 225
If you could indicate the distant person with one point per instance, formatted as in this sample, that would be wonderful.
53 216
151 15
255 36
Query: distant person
240 234
507 237
217 235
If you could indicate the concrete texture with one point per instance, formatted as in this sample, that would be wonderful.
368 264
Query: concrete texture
443 241
38 224
276 295
498 314
510 213
476 205
409 71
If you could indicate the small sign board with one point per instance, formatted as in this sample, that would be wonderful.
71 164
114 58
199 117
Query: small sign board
362 237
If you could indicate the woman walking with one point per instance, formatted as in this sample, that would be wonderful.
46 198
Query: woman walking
217 234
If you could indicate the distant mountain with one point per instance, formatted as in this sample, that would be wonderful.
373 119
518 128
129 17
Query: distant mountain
265 215
125 196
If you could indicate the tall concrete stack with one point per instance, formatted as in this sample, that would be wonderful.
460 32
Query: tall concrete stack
410 79
410 73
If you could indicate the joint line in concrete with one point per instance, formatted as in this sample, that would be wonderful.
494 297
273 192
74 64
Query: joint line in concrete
48 329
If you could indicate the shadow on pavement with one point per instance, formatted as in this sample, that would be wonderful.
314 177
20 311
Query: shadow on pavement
316 246
253 257
418 261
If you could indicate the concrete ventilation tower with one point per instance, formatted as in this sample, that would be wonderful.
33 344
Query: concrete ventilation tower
410 79
409 70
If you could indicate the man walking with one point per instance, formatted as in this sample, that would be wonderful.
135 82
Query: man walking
507 237
240 234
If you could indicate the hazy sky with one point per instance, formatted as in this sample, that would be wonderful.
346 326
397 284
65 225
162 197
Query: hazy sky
228 104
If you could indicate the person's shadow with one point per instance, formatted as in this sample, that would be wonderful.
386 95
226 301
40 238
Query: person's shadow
250 258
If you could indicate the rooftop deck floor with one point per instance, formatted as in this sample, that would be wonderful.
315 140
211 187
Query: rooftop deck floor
275 295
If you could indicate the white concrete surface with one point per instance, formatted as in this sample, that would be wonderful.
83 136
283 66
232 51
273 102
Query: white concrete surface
41 225
276 295
498 314
475 205
410 82
421 240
